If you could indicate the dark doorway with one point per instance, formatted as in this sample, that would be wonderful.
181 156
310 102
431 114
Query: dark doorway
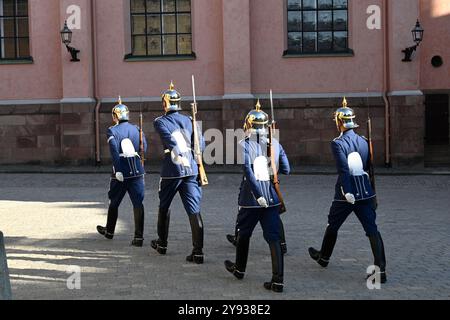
437 148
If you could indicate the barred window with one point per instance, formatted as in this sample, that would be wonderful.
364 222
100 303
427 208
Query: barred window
161 27
317 26
14 33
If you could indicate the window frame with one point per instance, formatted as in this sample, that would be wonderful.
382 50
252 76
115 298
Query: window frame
15 37
290 52
146 13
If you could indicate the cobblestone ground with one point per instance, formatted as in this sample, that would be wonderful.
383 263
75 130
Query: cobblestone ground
49 223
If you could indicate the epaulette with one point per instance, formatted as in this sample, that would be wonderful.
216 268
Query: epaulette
243 140
337 138
365 138
157 118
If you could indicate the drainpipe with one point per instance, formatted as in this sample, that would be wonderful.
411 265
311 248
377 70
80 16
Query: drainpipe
98 102
386 86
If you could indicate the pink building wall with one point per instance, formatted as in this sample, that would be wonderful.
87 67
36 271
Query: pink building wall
315 74
239 46
42 79
117 76
435 15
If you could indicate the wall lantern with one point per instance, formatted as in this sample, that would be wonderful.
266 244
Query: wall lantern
66 38
417 34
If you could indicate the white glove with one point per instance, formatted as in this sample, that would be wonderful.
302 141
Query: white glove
119 176
350 198
263 202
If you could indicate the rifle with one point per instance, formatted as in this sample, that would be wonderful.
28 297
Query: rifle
273 163
371 151
141 138
197 150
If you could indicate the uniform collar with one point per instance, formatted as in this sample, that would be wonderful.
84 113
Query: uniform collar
348 132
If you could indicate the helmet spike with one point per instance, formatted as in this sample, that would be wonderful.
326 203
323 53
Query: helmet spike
344 103
171 87
258 106
119 101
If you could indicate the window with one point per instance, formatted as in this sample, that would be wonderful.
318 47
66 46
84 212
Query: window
161 28
317 26
14 33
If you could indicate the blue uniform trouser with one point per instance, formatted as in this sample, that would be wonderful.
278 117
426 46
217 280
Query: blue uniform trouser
364 210
135 188
190 193
269 219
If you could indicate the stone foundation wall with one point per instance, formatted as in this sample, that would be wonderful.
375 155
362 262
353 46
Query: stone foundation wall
408 130
65 133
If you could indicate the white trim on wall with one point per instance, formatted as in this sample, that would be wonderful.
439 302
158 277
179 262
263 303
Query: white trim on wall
218 98
30 101
77 100
406 93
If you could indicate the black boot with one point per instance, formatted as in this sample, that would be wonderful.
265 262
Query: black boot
276 284
232 239
283 238
108 231
103 232
160 244
138 227
197 239
323 256
238 268
376 243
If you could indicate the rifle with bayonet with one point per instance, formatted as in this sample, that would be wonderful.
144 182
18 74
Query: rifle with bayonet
371 150
197 148
141 138
271 154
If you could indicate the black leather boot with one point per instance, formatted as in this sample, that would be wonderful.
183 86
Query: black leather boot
276 284
376 243
160 244
138 227
197 239
108 231
323 256
232 237
283 238
238 268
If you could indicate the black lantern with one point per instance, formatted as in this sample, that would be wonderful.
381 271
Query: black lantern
66 38
417 34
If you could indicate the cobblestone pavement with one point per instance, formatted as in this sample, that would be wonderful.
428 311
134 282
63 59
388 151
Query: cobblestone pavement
49 223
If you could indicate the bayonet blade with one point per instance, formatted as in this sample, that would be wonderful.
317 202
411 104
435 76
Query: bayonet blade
193 90
271 106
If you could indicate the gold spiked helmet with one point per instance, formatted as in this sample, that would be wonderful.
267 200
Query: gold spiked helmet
120 111
346 116
257 120
171 99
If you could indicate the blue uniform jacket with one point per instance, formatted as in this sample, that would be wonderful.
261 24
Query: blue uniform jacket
351 152
256 181
131 167
175 130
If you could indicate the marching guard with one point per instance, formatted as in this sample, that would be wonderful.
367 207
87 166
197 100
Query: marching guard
232 238
354 191
179 174
128 172
258 199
